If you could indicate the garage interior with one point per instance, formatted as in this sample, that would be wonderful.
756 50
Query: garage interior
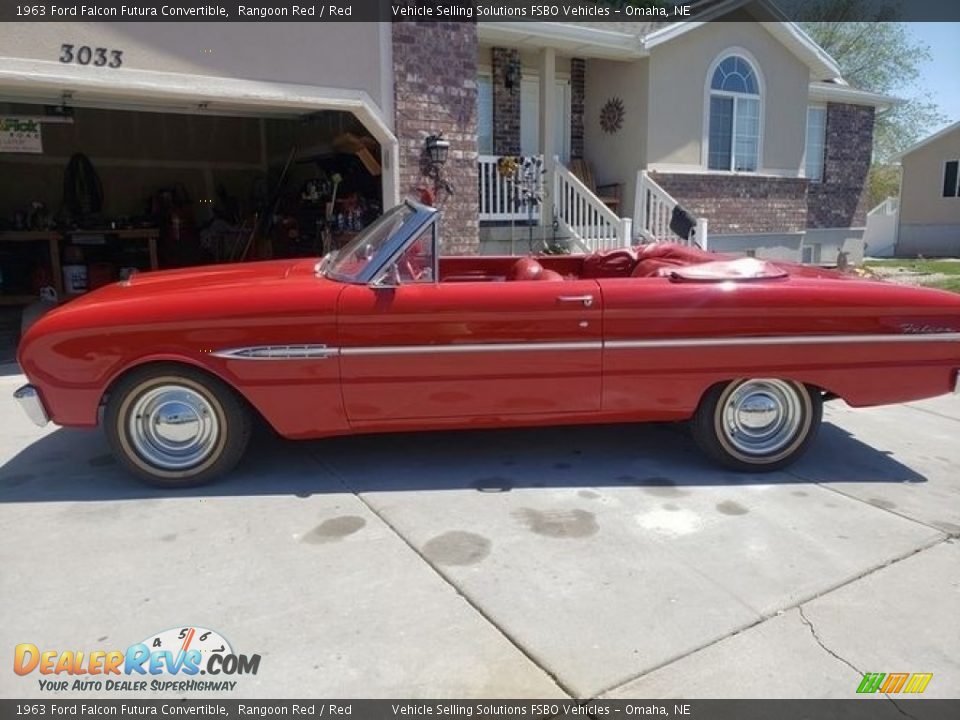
105 190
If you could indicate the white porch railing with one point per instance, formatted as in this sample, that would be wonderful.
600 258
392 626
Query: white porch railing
498 196
652 210
882 227
592 225
890 206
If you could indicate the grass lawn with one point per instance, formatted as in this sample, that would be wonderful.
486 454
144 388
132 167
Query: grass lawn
951 284
947 267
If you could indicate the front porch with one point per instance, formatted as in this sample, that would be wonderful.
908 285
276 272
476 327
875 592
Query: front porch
579 220
531 102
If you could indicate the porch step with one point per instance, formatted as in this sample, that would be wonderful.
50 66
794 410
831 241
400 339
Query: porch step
591 224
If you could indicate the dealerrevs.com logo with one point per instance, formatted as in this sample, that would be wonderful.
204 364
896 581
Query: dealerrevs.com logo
171 660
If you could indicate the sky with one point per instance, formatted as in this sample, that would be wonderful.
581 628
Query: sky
940 76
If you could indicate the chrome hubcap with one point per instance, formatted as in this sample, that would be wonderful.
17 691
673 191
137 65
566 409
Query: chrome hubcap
762 417
173 427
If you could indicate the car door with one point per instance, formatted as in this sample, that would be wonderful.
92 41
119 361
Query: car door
422 350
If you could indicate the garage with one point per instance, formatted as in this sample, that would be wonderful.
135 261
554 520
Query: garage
104 171
150 190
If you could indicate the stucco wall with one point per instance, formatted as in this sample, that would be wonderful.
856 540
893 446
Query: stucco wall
616 157
832 241
678 77
768 246
928 240
347 56
921 193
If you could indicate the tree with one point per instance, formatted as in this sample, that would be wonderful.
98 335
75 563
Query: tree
876 53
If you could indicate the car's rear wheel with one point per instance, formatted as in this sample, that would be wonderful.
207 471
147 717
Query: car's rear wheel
176 427
757 425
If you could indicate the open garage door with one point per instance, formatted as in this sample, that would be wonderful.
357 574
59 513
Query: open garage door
187 173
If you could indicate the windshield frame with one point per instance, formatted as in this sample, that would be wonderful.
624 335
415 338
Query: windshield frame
421 216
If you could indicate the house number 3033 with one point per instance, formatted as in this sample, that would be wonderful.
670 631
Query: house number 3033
86 55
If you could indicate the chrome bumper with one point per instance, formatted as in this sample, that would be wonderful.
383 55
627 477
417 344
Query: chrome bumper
32 405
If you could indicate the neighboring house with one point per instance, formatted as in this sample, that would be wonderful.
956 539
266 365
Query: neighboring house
929 215
744 121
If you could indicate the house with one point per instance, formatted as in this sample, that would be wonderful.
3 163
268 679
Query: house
737 116
929 212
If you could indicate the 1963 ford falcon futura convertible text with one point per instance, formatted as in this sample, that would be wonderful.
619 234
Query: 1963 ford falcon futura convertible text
386 335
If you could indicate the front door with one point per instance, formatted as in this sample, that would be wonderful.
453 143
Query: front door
530 118
470 349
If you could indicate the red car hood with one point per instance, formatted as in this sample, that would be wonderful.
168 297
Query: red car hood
219 276
207 278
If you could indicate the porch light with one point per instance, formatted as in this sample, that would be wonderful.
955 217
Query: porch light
437 149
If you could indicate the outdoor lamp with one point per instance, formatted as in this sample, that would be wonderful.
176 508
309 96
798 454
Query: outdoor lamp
437 150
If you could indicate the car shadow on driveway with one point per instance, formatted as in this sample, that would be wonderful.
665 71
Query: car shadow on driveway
75 465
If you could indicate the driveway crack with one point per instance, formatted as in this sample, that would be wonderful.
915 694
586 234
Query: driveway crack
816 636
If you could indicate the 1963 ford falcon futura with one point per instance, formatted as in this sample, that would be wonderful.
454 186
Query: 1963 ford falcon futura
386 335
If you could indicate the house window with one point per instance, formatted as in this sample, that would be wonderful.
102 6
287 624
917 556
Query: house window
950 178
816 136
484 115
734 138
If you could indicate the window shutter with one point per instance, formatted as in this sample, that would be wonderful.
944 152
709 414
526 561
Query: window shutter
950 179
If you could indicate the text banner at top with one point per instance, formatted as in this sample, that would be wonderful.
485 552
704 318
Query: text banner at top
573 11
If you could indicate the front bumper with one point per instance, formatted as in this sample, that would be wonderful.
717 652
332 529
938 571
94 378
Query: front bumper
29 399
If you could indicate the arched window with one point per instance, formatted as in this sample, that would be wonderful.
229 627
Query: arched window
734 96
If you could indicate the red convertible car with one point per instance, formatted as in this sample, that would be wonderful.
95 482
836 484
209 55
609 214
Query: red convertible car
386 335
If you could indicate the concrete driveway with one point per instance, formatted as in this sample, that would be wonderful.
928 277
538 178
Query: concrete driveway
604 561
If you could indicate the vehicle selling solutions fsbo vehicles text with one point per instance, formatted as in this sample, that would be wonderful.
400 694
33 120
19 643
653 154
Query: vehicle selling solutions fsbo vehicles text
506 10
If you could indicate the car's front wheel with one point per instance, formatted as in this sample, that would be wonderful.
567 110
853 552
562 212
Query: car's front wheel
757 425
176 427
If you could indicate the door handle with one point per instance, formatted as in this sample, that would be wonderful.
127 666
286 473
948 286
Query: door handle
585 300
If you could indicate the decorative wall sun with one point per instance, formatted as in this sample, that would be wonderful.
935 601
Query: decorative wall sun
611 115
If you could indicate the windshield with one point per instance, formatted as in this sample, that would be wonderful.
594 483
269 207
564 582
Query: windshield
349 263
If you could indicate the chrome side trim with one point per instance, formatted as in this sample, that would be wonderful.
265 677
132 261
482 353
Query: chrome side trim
956 383
278 352
472 348
781 340
321 352
29 399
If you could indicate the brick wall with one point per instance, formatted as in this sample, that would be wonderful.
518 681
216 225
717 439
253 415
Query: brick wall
506 102
734 204
840 200
435 90
577 90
